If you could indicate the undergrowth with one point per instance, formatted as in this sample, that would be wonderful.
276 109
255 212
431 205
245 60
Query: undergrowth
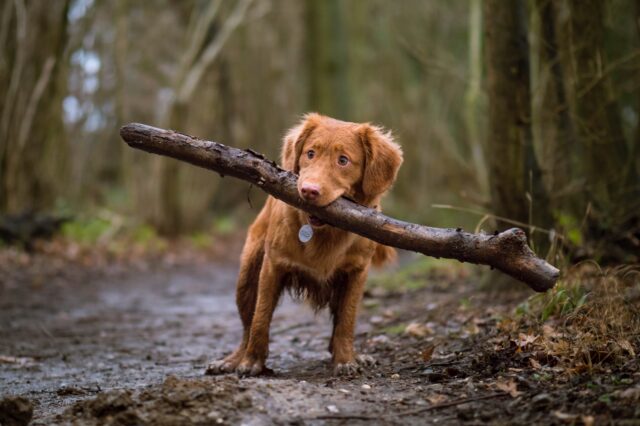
589 321
425 272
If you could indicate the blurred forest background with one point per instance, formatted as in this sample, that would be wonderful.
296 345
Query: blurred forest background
525 112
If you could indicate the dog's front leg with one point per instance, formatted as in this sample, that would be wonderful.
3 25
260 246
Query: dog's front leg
269 291
345 359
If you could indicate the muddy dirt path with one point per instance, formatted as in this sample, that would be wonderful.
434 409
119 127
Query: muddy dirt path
71 340
131 349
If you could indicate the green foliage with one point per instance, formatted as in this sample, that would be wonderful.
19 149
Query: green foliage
87 230
571 228
606 398
394 330
114 234
562 300
144 234
542 377
225 225
409 277
201 240
465 303
421 273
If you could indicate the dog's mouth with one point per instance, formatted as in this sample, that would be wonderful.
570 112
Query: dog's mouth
315 221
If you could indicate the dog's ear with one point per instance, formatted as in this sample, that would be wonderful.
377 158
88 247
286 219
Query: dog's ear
383 158
294 141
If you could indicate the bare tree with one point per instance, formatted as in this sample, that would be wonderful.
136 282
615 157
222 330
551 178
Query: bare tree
201 51
552 121
593 105
515 181
327 57
610 200
472 97
32 148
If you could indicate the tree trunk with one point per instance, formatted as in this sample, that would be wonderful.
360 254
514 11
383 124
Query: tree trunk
610 195
506 251
515 182
555 133
202 50
327 56
32 144
472 97
594 109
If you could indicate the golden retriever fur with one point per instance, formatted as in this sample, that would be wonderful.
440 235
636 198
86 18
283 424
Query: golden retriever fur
332 158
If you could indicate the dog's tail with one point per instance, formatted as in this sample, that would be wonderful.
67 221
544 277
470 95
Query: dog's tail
383 255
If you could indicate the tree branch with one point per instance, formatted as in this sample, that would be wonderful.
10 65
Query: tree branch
506 251
211 52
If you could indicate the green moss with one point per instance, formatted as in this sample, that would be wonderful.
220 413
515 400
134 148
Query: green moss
571 228
394 330
87 230
201 240
144 234
224 225
415 275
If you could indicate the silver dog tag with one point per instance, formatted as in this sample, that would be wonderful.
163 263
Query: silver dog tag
305 233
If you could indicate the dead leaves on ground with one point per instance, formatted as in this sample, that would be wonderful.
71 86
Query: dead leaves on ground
416 329
509 386
589 322
573 418
427 353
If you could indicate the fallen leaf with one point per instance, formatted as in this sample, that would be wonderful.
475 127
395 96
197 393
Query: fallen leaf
388 313
510 387
416 329
525 339
472 329
565 417
507 325
436 398
19 361
548 330
631 393
534 363
427 353
588 420
625 345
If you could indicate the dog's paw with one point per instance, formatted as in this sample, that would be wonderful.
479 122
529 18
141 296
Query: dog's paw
366 360
355 367
221 366
250 367
347 369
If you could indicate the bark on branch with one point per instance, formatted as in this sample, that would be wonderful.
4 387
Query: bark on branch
506 251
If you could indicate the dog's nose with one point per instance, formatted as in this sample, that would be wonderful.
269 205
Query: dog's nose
310 191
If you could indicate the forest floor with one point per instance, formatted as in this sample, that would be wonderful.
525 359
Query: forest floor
127 345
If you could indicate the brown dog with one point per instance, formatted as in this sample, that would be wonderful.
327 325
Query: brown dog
333 158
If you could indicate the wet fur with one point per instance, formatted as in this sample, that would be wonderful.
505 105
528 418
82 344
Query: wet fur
331 269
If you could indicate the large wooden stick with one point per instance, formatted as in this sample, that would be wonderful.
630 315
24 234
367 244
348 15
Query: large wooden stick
506 251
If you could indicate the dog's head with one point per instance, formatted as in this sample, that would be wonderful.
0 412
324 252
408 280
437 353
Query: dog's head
335 158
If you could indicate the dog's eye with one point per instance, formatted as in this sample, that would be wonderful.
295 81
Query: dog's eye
310 154
343 160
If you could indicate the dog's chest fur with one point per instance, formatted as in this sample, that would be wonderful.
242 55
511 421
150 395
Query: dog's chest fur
323 256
